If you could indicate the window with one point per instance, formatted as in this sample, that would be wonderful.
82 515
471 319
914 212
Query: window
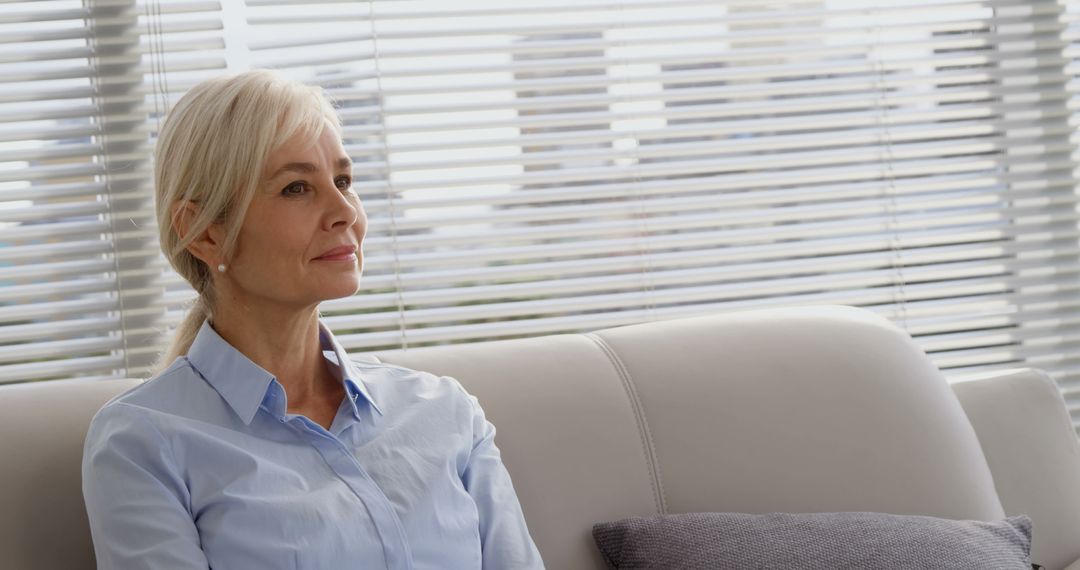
537 167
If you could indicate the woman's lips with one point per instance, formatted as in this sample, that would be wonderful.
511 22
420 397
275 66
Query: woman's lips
343 253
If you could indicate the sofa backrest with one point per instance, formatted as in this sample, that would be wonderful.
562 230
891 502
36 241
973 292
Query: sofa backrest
1029 441
43 522
797 410
809 410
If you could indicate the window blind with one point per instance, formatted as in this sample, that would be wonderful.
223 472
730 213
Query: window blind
536 167
82 86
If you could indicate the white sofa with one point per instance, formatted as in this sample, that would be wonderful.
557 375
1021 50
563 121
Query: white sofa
794 410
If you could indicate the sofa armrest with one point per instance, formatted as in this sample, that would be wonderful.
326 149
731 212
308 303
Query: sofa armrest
1028 439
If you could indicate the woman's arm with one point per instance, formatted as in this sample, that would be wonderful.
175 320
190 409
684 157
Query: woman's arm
504 538
137 503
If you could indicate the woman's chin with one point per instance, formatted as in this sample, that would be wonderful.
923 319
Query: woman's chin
339 289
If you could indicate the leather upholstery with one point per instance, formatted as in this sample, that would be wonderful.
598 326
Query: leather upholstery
791 410
42 426
820 409
1029 442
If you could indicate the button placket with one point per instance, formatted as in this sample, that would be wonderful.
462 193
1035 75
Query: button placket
371 496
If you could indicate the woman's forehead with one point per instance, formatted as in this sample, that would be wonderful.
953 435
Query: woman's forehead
305 148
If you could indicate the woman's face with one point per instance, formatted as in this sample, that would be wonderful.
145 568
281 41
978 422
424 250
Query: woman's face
300 240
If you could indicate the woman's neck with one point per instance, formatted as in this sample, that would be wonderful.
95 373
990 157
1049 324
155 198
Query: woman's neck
284 343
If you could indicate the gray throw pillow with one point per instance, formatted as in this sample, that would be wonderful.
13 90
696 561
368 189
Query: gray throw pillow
813 540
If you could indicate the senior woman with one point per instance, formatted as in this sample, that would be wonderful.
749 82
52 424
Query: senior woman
262 445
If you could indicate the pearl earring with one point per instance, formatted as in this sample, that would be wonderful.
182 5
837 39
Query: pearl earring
221 268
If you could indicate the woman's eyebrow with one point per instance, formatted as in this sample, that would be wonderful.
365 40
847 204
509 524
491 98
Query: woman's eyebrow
308 168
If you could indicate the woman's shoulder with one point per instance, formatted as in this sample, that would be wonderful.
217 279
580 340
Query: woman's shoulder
377 370
403 382
171 392
141 426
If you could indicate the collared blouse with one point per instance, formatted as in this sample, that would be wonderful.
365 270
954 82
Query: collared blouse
202 467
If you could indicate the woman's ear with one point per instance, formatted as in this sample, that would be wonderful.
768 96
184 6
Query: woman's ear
207 245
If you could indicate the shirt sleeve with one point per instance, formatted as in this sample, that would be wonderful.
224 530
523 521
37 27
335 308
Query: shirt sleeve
504 537
136 501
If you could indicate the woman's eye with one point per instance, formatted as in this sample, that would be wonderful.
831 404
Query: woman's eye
294 189
343 183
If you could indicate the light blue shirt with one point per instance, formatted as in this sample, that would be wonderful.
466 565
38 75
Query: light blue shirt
201 467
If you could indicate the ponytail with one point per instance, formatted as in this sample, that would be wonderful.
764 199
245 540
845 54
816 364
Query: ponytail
185 333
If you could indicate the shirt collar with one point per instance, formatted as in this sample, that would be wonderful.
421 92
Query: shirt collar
354 384
244 385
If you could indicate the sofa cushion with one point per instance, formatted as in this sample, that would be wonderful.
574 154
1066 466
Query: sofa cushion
822 409
1024 427
43 425
814 540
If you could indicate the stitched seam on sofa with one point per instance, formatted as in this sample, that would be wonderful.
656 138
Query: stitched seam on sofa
639 417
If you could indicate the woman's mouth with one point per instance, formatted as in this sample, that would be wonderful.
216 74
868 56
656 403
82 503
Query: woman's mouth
340 253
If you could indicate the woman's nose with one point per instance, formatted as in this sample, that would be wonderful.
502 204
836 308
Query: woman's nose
341 209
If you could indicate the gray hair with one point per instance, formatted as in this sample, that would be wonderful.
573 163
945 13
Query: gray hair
211 151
